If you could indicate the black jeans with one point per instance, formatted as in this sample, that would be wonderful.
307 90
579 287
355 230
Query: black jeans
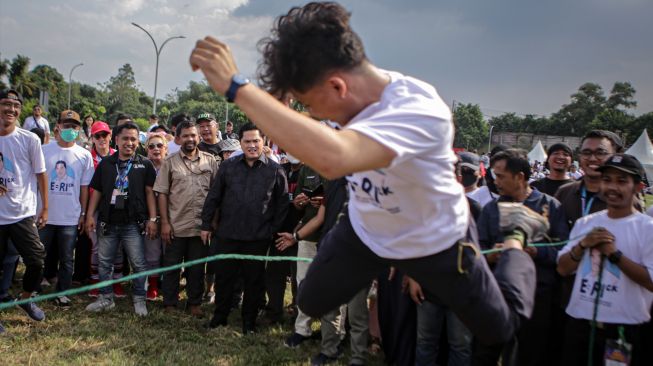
226 274
492 306
25 237
184 249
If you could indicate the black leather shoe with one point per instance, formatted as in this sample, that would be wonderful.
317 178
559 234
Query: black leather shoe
214 323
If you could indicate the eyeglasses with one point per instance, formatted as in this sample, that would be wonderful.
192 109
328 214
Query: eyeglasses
155 146
10 104
101 135
599 154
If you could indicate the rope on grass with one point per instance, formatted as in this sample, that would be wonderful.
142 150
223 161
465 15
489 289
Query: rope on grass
132 276
74 291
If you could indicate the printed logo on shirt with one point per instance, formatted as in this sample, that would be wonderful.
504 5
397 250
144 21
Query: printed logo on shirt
373 191
7 171
62 179
589 283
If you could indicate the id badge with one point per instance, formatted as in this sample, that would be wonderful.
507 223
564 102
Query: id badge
617 353
114 194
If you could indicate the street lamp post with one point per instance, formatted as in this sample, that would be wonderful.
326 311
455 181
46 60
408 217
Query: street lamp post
158 53
70 81
489 141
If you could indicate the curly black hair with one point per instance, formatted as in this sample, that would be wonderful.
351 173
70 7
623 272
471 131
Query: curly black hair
305 45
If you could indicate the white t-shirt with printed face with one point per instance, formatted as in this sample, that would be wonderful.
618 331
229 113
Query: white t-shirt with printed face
68 168
622 301
22 159
415 207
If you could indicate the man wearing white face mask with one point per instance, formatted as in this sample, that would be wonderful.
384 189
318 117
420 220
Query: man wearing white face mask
69 172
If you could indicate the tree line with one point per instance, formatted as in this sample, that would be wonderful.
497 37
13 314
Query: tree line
105 101
589 107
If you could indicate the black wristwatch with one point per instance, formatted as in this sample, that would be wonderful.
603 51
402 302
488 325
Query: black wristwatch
615 257
237 81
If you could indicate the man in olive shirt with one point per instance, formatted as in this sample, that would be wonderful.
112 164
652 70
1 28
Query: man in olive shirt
183 184
310 185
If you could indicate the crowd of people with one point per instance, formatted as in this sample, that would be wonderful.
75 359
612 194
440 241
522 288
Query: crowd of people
370 189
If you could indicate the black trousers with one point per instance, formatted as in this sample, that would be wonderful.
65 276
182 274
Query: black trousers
25 237
397 320
492 306
226 274
577 335
180 250
276 278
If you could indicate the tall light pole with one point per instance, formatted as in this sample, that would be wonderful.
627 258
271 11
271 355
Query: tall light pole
158 53
70 81
489 140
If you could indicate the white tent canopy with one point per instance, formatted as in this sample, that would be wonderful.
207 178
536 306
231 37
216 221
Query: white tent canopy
537 153
642 149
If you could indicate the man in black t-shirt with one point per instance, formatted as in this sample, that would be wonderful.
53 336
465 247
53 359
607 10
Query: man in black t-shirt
558 161
122 191
210 132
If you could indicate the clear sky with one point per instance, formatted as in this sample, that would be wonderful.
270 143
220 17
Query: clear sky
518 56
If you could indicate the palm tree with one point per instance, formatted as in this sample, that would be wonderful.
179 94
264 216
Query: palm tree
19 77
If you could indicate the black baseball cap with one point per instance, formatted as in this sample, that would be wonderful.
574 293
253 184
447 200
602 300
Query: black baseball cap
205 116
11 94
557 147
470 160
626 163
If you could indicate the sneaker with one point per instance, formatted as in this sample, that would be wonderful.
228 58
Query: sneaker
119 291
45 283
322 359
63 302
33 311
152 294
96 291
216 322
103 303
7 298
515 216
295 340
139 306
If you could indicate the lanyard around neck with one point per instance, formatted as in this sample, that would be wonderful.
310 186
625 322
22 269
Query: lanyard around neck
585 205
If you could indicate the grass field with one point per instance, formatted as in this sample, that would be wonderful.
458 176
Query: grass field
75 337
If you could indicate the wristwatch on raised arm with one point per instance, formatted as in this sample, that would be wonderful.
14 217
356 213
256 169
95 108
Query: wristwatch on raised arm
615 257
237 81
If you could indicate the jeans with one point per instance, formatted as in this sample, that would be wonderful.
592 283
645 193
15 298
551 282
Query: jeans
109 240
491 306
8 269
25 237
430 319
66 236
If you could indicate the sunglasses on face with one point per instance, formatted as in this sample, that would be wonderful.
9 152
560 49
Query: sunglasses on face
101 135
155 146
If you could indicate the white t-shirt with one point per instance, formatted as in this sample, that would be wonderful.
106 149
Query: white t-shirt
31 123
482 195
622 301
65 181
415 207
22 159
